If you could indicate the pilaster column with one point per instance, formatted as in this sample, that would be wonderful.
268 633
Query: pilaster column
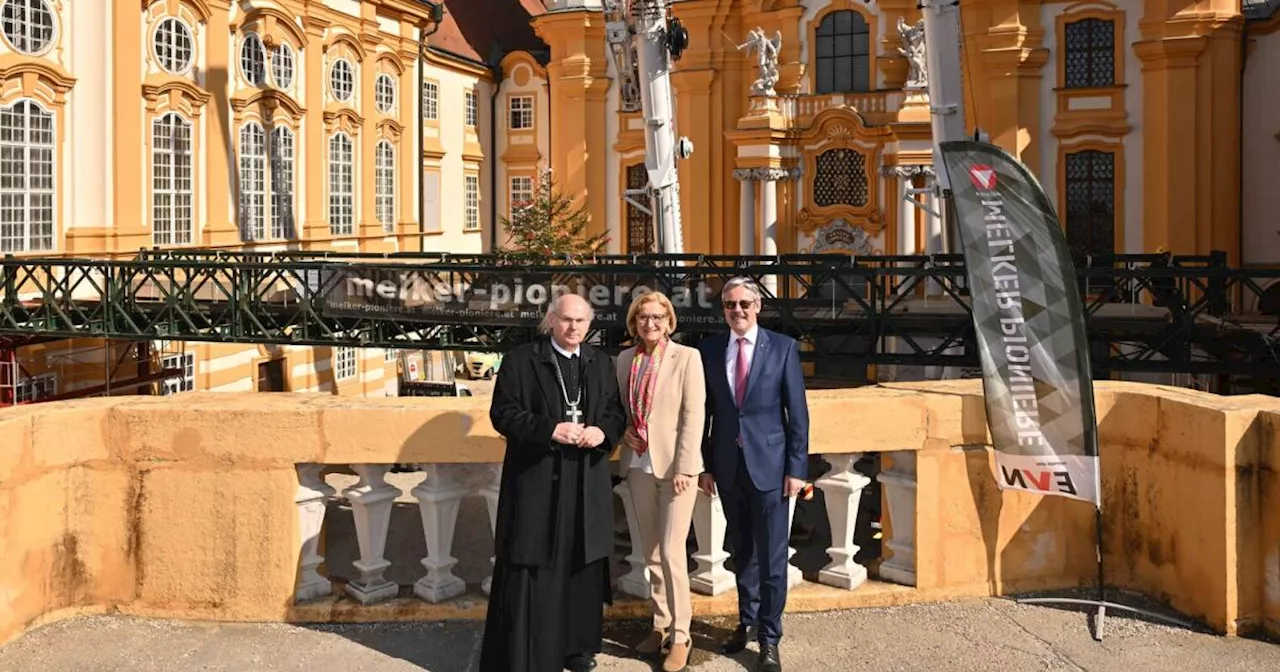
747 205
221 189
578 83
698 188
768 236
1190 178
314 158
1009 99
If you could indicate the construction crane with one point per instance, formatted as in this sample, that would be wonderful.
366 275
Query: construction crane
644 40
945 85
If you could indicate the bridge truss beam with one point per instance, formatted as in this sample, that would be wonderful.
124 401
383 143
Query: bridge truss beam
1145 313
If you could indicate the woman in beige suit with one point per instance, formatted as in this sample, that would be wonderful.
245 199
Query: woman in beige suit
662 383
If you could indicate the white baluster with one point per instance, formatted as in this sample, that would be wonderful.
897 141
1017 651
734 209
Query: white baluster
311 493
490 493
636 580
842 490
438 497
371 500
794 575
900 491
710 578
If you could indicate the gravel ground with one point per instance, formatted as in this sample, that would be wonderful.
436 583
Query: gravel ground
989 634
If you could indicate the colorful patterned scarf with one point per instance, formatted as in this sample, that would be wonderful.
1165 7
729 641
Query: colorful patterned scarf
640 395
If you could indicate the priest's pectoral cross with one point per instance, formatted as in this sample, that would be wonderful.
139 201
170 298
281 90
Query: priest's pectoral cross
574 414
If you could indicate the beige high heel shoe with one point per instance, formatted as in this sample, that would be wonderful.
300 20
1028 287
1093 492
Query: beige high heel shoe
677 657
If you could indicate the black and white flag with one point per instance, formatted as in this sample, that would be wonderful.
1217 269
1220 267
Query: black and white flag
1029 322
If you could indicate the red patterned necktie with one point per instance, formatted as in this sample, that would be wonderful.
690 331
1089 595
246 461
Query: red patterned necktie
740 373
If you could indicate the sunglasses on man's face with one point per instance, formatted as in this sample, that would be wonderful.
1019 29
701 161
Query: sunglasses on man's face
743 304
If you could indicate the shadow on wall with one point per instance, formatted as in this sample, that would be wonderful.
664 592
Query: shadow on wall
406 546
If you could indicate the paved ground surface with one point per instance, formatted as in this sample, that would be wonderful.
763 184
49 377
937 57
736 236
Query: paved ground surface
972 635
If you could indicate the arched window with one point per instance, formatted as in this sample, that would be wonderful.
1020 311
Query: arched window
384 93
384 185
282 157
253 182
172 183
342 80
256 182
342 203
253 59
26 177
843 53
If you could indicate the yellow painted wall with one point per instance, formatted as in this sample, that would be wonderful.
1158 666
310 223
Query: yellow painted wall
1177 165
96 499
105 88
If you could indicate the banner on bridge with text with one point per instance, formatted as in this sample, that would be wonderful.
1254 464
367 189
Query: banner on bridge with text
1029 322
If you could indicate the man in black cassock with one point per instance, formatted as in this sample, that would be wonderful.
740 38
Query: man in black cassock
556 401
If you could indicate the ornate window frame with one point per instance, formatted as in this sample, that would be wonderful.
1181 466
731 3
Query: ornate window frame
42 80
194 16
53 49
388 67
342 46
873 41
1092 110
843 129
1117 150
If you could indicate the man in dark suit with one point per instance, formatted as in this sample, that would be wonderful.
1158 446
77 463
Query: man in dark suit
756 453
556 401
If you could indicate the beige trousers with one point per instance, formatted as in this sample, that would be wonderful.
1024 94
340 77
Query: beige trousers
664 520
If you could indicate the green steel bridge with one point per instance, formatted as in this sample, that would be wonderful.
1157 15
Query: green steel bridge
1145 313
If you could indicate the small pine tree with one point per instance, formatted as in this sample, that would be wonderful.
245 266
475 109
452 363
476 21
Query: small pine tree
549 229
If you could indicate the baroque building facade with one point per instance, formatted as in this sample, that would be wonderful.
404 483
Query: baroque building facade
1128 111
262 125
292 124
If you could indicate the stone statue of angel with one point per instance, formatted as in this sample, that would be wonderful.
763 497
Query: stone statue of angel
766 60
913 48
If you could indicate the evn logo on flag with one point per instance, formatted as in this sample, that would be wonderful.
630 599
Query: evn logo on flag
983 177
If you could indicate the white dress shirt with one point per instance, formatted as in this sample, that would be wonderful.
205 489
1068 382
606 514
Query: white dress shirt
731 356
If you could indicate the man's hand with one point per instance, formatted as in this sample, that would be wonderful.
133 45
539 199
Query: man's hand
591 437
707 484
567 433
792 486
681 482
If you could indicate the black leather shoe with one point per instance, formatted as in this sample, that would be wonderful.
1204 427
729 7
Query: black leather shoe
769 661
580 662
737 641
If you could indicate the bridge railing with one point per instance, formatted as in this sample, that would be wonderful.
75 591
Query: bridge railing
853 309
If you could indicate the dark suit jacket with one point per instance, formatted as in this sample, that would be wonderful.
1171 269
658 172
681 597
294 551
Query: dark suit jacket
527 405
773 420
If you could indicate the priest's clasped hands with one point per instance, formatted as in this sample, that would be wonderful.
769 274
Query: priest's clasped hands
575 434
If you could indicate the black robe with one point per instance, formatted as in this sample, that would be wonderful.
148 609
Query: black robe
554 531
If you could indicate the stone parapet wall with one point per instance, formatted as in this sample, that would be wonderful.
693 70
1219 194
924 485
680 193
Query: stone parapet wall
188 506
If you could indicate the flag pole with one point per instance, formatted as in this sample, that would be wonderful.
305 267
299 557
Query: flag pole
1032 338
1102 603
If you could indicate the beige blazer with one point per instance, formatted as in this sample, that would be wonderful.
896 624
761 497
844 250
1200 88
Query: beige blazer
676 420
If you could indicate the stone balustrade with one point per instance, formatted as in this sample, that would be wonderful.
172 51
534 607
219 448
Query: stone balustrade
215 506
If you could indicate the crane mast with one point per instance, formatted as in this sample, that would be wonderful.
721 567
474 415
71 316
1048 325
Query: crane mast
644 41
945 85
